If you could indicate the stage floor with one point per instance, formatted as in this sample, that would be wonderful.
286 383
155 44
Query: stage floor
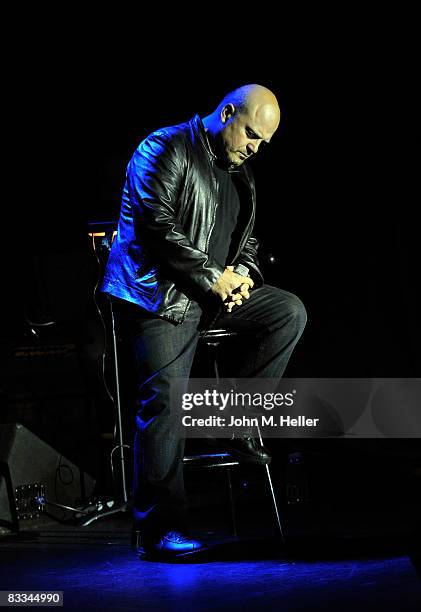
96 568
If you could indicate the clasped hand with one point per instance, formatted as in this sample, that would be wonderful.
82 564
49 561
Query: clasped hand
232 288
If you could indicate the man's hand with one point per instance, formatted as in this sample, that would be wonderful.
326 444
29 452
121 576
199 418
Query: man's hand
229 282
237 297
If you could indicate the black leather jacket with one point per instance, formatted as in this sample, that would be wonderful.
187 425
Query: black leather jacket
159 259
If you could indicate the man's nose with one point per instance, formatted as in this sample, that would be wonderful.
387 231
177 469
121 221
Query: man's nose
253 147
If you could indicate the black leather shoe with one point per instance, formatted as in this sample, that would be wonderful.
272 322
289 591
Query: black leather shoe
172 545
247 449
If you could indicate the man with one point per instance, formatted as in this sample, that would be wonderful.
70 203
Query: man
184 254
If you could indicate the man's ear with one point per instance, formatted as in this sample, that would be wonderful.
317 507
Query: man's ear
227 112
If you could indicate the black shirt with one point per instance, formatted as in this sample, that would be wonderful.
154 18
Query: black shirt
227 214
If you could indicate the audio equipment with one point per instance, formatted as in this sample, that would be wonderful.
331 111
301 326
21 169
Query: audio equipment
35 479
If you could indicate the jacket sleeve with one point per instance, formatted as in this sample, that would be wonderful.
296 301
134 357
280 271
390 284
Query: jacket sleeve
155 178
248 257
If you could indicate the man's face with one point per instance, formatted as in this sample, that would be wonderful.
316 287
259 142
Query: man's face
243 134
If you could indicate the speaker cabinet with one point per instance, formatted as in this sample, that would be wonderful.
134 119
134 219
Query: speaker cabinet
30 468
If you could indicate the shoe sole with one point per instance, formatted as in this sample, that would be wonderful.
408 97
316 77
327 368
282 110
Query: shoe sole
247 459
235 454
167 556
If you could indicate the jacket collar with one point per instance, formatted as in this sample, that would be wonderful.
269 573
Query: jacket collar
199 128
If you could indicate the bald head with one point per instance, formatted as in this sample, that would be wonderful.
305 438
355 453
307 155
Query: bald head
255 101
244 119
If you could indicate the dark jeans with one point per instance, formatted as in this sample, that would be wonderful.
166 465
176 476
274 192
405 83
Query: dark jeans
164 351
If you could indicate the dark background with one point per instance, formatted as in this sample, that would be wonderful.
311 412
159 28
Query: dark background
336 206
335 199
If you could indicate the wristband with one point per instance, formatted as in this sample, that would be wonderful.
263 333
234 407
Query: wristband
240 269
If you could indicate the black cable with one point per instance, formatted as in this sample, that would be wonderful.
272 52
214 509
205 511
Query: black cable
104 352
59 477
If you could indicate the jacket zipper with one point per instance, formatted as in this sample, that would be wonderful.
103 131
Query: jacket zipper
215 187
242 241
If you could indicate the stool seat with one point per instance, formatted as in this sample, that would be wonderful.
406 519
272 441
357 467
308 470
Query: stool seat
211 335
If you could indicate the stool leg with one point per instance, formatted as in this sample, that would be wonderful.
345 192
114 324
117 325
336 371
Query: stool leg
119 430
214 351
232 504
135 539
275 503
